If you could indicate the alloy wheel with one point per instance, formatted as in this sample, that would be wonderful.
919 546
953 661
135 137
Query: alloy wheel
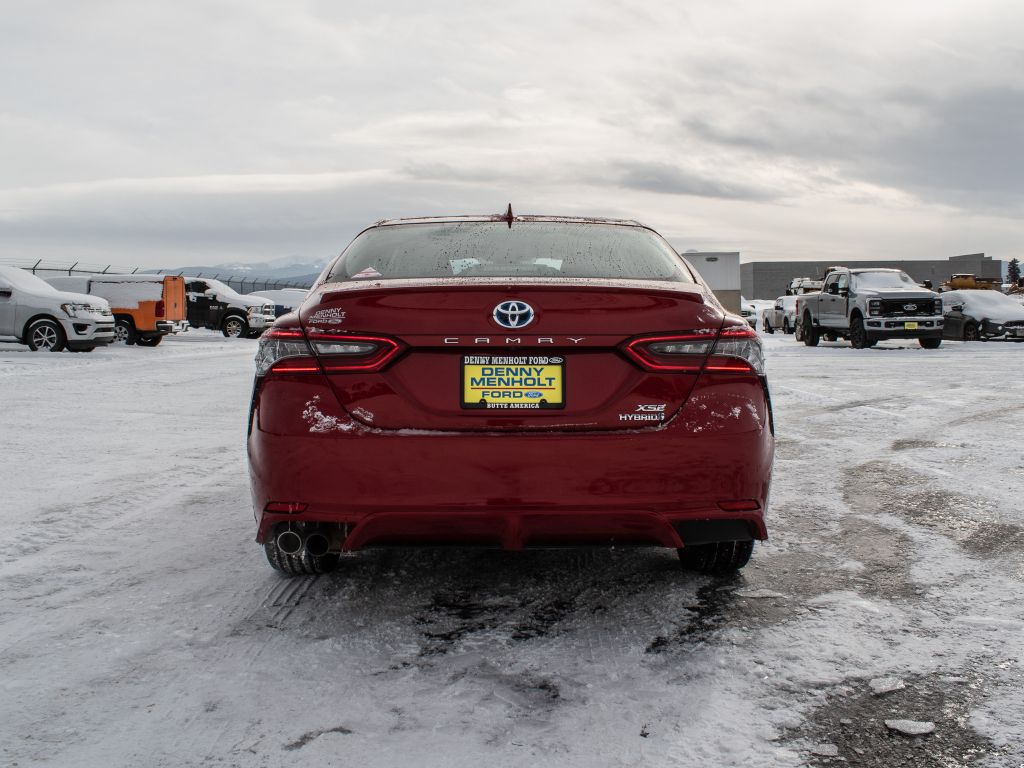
44 337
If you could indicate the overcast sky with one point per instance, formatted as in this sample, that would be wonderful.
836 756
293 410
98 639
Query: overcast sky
209 131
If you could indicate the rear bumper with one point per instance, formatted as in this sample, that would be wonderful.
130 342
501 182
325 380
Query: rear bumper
518 490
165 327
519 528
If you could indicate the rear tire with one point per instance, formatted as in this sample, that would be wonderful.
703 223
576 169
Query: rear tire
768 327
124 332
717 558
811 335
149 341
971 332
301 564
46 335
234 327
785 325
930 343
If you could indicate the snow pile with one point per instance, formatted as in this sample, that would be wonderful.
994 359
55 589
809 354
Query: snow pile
988 305
129 294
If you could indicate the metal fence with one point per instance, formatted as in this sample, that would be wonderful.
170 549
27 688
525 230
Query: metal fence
242 284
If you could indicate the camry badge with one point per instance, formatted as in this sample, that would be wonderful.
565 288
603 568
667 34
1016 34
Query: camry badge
513 314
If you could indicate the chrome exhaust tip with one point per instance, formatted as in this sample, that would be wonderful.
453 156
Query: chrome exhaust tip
289 542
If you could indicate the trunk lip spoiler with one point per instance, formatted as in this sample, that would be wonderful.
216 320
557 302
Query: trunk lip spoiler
687 291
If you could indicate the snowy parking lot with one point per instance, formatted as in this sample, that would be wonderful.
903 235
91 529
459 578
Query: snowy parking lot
141 626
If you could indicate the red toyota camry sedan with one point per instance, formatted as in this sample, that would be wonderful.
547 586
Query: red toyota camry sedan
510 381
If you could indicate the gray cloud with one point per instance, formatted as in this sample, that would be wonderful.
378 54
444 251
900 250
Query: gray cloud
965 151
664 178
149 132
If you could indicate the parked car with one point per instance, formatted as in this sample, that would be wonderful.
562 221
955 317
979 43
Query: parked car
35 313
782 315
982 314
459 380
285 299
215 305
146 307
868 305
800 285
748 312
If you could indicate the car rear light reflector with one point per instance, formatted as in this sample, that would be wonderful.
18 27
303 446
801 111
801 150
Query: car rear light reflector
743 505
286 507
159 310
344 352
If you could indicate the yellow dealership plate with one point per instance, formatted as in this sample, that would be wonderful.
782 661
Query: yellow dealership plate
513 382
910 326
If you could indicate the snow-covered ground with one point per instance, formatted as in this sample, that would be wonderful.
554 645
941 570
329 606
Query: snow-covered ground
140 625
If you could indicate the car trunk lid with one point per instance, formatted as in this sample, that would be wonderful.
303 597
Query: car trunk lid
565 367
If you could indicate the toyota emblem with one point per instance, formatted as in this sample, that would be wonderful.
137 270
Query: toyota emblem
513 314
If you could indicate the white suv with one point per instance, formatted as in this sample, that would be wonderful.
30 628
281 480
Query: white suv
37 314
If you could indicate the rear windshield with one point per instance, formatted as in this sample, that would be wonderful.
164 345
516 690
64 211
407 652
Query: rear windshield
493 249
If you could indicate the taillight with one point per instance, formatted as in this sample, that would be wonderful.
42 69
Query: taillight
346 352
160 308
738 350
284 350
735 349
287 350
678 353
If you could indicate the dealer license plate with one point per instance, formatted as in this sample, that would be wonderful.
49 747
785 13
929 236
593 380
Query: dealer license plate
910 326
513 382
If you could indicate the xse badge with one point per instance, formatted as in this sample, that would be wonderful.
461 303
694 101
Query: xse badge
645 412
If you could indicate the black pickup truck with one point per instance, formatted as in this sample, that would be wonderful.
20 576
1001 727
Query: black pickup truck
868 305
214 305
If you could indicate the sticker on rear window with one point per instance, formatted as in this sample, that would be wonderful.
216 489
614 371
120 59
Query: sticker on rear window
366 273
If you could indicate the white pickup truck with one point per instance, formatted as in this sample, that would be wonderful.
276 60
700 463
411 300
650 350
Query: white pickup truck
868 305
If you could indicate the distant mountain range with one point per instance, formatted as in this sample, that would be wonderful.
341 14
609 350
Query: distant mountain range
287 268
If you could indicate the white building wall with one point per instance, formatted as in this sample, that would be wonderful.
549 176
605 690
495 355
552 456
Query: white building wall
720 270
